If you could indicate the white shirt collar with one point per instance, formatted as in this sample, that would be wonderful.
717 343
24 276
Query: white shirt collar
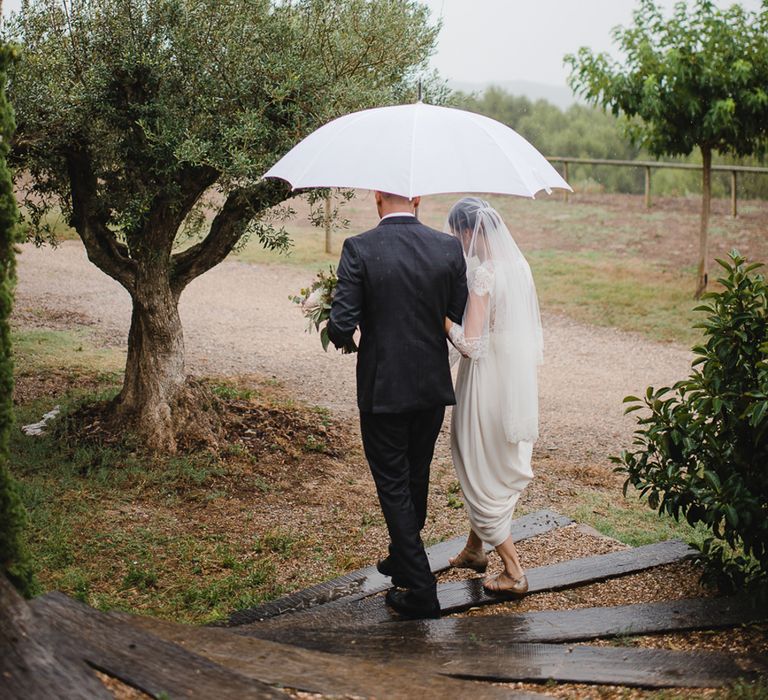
398 213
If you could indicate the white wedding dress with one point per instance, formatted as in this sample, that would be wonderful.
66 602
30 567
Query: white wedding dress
495 420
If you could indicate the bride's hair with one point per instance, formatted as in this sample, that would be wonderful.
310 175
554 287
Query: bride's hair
467 220
464 214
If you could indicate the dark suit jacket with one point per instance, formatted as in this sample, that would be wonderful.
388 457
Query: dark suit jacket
398 282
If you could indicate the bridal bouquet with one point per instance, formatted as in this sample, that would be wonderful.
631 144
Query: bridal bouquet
315 302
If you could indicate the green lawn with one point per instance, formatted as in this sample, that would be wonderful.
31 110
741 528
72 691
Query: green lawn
607 290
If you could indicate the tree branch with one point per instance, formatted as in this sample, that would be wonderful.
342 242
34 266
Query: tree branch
227 227
101 245
167 212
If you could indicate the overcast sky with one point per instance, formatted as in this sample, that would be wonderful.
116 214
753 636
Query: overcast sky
497 40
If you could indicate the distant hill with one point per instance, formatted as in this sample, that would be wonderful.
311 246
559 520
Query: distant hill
558 95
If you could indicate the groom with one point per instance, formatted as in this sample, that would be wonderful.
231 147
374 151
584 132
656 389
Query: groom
397 283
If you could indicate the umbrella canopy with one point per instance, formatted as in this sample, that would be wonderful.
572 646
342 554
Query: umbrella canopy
418 149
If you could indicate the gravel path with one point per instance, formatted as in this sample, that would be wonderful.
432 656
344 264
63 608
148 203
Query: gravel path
238 320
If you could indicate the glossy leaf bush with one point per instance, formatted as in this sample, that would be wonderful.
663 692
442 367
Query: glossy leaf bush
701 446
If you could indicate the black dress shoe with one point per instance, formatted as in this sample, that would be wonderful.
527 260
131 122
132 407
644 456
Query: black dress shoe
386 567
407 605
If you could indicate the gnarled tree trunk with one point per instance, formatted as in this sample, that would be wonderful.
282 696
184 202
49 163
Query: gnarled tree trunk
154 369
706 198
157 403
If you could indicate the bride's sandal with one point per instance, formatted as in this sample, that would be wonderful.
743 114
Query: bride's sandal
505 585
468 559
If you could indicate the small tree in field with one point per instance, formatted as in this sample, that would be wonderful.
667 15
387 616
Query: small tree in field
150 122
701 447
697 79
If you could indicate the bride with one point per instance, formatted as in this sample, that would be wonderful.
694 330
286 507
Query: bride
495 420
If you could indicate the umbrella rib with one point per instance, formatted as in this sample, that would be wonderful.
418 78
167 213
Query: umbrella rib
521 175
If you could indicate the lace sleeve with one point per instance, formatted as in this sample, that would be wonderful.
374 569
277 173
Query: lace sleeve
482 281
470 337
453 354
474 348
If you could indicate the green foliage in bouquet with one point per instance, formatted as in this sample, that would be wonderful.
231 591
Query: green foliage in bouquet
315 302
702 445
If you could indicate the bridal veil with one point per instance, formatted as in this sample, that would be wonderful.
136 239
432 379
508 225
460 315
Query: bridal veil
502 309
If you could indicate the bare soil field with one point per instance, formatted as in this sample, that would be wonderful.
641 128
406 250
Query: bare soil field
238 321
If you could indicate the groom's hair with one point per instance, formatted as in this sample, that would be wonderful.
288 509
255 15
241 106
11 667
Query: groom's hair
389 196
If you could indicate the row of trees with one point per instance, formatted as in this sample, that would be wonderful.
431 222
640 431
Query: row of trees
584 131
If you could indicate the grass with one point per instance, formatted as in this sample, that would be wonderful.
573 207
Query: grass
630 520
605 290
743 690
171 537
125 535
39 350
308 251
57 226
589 267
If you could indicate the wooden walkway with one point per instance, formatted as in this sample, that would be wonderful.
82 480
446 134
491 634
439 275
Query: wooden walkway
338 638
458 596
368 581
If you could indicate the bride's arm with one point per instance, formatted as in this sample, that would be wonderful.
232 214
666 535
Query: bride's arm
471 337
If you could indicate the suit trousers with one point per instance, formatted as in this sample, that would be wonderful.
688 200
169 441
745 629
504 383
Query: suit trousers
399 449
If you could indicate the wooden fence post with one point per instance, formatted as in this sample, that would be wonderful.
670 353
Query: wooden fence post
565 177
734 211
327 222
647 187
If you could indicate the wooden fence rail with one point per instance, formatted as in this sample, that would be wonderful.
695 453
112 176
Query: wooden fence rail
649 164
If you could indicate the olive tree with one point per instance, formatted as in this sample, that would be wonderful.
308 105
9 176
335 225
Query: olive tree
696 79
150 122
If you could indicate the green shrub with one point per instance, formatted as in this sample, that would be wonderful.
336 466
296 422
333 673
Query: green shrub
702 446
15 561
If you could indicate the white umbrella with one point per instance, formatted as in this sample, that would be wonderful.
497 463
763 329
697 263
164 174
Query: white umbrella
418 149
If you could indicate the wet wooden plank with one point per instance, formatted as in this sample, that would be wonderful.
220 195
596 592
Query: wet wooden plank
33 659
142 660
490 661
368 581
453 634
457 596
319 672
462 595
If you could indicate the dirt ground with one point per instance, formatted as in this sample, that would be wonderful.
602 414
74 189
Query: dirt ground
238 321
